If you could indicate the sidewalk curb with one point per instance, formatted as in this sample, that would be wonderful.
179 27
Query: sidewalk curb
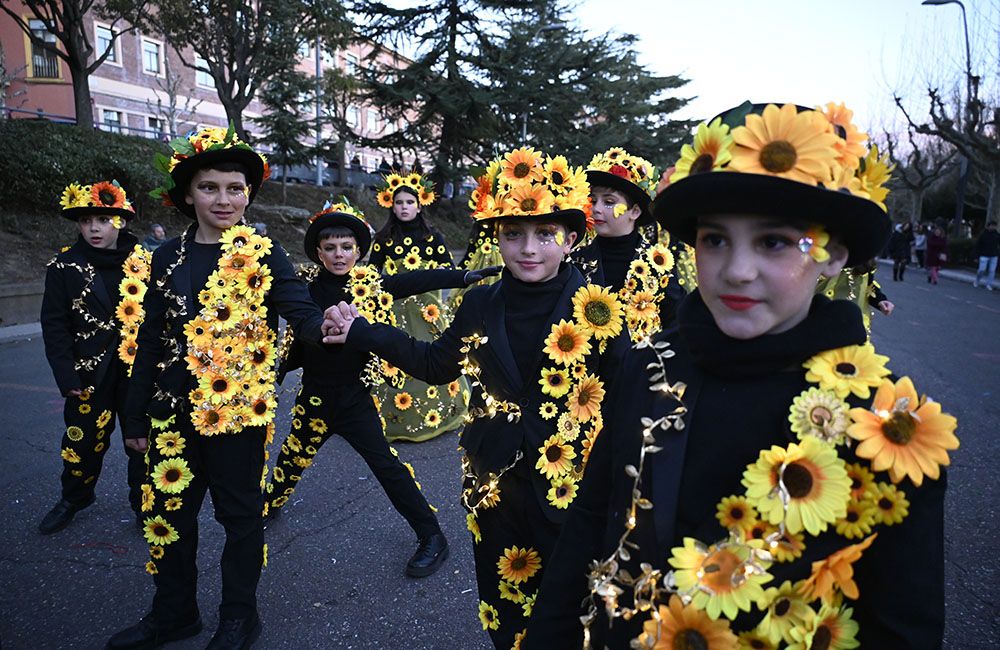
951 274
24 332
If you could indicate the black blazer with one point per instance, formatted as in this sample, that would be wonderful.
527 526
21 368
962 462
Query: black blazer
340 365
900 577
62 321
490 443
154 389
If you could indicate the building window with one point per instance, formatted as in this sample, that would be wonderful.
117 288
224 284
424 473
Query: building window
373 121
351 62
152 57
353 116
201 78
106 42
154 127
112 120
304 50
44 62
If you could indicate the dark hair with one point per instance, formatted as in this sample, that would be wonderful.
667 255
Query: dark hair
629 201
223 166
335 231
393 228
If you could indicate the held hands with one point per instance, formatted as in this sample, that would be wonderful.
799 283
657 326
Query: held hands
337 322
472 277
138 444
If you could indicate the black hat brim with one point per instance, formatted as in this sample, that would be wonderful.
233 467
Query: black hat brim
185 170
861 225
362 234
74 214
628 188
574 220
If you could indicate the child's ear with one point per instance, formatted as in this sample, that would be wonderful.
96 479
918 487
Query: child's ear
838 258
570 238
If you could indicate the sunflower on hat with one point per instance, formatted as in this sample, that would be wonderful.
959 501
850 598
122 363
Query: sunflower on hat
103 197
618 162
421 187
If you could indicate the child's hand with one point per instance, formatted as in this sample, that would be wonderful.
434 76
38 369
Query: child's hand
886 307
337 322
475 276
75 392
138 444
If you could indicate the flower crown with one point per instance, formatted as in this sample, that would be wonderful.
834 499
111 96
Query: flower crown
617 162
422 187
104 194
820 147
344 206
209 138
526 182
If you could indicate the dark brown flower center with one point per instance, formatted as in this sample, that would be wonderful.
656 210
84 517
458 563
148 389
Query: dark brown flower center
853 516
702 164
521 169
737 513
132 289
160 530
557 178
260 408
561 491
223 313
885 503
529 204
900 428
782 606
238 263
798 480
553 453
518 563
822 639
690 640
172 475
584 398
107 197
254 281
820 415
566 342
778 157
212 417
259 356
555 380
597 312
846 369
220 385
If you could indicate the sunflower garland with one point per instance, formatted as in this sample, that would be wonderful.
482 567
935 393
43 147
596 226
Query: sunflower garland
129 311
422 187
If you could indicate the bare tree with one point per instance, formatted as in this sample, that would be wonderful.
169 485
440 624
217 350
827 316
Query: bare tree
172 111
7 78
919 165
65 19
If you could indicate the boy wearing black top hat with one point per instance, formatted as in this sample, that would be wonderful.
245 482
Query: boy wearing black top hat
201 400
775 482
335 396
90 313
626 256
536 346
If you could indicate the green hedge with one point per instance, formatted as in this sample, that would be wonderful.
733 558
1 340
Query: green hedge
962 252
39 158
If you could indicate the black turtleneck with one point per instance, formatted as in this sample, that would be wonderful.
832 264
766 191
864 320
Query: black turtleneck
528 306
616 254
108 262
204 259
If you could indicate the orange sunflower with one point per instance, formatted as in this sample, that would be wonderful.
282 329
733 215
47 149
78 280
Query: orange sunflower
567 343
555 457
584 402
107 195
518 565
851 145
684 626
907 435
723 579
129 311
431 313
784 142
528 199
836 572
521 166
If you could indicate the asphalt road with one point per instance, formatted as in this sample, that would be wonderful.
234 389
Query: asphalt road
335 577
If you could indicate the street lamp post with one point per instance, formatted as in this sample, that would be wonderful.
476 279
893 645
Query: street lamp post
319 122
550 27
963 178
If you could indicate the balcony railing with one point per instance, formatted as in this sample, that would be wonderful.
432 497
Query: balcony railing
44 66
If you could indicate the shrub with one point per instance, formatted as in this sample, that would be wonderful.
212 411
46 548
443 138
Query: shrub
961 252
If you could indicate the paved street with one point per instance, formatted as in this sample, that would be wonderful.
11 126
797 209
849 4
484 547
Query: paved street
335 578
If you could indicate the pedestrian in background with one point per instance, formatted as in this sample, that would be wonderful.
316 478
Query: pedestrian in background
937 253
920 243
899 250
157 236
988 249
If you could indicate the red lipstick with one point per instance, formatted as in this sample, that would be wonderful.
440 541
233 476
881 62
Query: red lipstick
738 303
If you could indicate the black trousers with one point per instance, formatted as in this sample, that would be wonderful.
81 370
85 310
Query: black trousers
230 466
90 419
512 543
321 412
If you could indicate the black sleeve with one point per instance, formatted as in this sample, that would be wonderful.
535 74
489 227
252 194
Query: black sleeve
901 577
875 294
435 362
293 359
444 258
555 618
414 283
57 331
290 297
150 353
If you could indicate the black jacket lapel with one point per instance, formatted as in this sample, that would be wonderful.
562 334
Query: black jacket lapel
494 316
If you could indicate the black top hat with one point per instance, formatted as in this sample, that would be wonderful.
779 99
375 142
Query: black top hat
631 175
362 234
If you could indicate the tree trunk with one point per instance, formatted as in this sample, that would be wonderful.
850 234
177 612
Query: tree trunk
993 204
917 207
234 113
81 97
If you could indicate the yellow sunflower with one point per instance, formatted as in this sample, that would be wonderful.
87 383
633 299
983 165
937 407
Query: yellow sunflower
660 258
430 313
547 410
156 552
814 478
236 238
562 492
74 433
473 526
129 311
597 311
198 333
132 288
832 628
70 455
853 369
453 388
836 572
172 475
862 480
148 498
158 532
584 402
293 443
209 421
784 142
567 343
218 388
488 616
517 565
754 640
318 425
555 457
261 410
169 443
568 427
907 435
173 503
784 609
711 150
83 409
685 626
736 512
431 392
558 175
385 198
554 382
820 413
511 592
432 418
528 199
858 521
521 166
720 575
874 174
890 504
75 196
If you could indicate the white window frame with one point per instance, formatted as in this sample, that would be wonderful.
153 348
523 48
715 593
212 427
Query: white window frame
116 49
356 112
372 120
122 126
142 55
30 50
199 75
147 133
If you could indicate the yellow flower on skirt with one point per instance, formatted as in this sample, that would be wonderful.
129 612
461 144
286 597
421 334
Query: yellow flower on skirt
488 616
158 532
172 475
70 456
517 565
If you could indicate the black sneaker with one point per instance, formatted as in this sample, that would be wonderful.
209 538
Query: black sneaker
430 555
235 633
148 634
61 514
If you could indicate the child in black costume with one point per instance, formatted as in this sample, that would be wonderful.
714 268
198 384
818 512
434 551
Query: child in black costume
801 503
91 311
335 395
